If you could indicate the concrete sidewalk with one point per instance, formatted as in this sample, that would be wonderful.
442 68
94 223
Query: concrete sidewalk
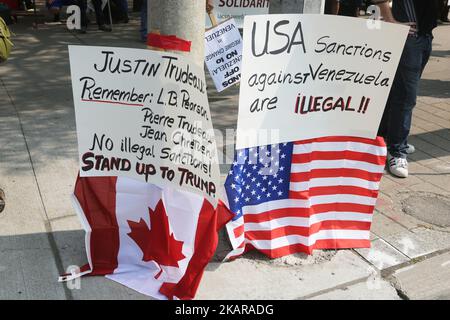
40 235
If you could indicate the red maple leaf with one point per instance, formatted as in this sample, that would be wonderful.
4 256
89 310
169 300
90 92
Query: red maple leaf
158 243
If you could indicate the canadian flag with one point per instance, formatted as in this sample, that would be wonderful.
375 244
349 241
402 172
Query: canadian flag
154 240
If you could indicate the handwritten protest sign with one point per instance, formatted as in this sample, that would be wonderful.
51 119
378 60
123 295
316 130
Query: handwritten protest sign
310 76
238 9
223 48
144 115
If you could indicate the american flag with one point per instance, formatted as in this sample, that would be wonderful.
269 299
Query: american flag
304 195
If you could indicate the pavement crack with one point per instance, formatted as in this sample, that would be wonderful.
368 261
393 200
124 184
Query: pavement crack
340 286
47 225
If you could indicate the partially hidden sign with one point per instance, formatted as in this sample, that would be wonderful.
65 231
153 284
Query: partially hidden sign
145 115
223 54
238 9
310 76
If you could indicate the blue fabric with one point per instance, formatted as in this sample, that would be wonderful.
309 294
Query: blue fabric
143 29
61 3
259 175
396 122
123 5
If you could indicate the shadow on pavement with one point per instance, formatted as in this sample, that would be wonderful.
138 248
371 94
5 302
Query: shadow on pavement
440 53
434 88
431 145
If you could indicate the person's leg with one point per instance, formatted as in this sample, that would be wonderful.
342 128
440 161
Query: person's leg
332 7
403 96
426 53
99 15
124 7
444 11
382 130
143 29
83 7
54 6
2 200
98 12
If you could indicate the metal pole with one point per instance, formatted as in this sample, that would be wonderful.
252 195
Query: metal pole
110 16
35 14
185 19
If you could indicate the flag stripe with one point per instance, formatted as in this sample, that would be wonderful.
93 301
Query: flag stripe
328 201
309 214
97 198
305 231
337 155
206 239
379 141
259 223
311 240
323 191
361 148
341 208
320 244
334 173
312 201
239 230
341 181
334 164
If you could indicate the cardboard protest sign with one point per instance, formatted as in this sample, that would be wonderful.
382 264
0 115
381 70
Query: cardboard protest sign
145 115
310 76
223 54
237 9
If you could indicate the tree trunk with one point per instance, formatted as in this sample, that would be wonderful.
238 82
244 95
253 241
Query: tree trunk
185 19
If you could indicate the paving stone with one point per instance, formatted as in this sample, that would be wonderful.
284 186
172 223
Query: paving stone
443 106
404 184
444 123
255 280
427 187
29 261
430 208
374 288
440 180
388 183
382 255
29 274
420 241
431 150
396 214
70 245
434 140
383 226
429 279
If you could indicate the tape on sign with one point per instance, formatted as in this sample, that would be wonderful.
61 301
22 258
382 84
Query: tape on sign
168 42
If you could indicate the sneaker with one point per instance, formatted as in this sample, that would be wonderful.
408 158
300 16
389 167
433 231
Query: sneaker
398 166
2 200
411 149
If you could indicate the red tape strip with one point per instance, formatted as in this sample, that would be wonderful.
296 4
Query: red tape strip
171 42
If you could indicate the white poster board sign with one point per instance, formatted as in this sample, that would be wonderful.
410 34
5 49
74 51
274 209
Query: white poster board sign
223 54
238 9
145 115
310 76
